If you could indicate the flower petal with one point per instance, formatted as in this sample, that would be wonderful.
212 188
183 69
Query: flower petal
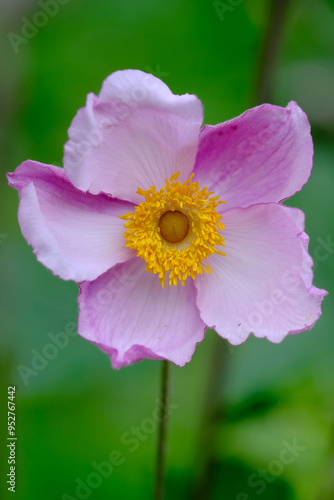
130 316
264 155
134 134
76 235
264 284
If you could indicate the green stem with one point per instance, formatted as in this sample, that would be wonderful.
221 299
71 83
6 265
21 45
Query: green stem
212 416
270 51
162 441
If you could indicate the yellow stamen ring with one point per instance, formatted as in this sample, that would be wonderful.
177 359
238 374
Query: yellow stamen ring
175 229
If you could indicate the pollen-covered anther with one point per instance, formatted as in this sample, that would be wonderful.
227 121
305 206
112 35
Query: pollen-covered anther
175 229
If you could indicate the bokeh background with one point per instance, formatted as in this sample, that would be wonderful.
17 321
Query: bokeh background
75 410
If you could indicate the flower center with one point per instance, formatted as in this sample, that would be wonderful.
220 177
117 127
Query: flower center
175 229
174 226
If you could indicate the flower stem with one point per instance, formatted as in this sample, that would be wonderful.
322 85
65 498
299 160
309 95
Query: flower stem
212 416
272 43
162 433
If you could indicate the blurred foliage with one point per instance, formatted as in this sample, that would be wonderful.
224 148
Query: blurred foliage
75 410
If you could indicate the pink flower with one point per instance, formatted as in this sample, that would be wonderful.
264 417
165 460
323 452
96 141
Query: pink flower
141 199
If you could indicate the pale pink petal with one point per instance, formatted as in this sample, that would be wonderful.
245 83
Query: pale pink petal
77 235
263 285
298 217
134 134
264 155
130 316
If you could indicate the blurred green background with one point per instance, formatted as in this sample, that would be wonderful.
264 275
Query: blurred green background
75 410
